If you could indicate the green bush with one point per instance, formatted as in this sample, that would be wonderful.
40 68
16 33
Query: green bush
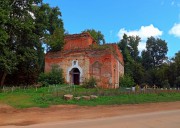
43 78
126 81
90 83
165 84
53 77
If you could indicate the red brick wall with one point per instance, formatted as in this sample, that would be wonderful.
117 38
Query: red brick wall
105 65
78 41
108 71
105 75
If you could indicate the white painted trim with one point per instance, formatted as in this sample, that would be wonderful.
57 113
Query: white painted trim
74 66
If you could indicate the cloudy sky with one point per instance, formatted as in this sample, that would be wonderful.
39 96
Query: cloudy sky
145 18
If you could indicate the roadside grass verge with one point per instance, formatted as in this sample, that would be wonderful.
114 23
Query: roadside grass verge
129 99
53 95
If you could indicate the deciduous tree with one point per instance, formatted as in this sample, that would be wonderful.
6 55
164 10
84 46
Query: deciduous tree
155 53
97 35
25 25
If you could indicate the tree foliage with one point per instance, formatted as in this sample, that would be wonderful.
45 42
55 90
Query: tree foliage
55 76
151 66
97 35
127 81
155 53
25 25
54 27
56 40
129 49
133 46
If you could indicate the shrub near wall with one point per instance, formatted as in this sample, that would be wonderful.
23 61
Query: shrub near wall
90 83
126 81
53 77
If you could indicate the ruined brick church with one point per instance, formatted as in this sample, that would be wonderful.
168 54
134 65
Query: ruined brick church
81 58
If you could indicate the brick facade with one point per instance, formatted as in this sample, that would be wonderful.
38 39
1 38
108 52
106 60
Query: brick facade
82 58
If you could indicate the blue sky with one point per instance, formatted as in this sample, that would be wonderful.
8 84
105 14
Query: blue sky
158 18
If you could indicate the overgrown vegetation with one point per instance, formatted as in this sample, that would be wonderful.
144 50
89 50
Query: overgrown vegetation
97 35
152 66
27 25
24 28
53 95
100 47
126 81
90 83
55 76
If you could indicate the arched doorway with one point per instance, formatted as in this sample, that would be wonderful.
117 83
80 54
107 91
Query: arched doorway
75 76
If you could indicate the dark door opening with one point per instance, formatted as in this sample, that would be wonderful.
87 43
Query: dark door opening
76 79
75 76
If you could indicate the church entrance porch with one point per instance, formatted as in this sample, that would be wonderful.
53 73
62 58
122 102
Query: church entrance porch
75 76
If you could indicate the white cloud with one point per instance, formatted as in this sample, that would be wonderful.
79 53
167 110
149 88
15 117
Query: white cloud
142 46
144 32
175 30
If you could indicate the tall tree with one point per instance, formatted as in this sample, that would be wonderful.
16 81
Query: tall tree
162 74
25 25
177 63
146 60
3 38
8 63
172 74
133 46
97 35
54 40
155 53
49 26
123 46
129 48
128 60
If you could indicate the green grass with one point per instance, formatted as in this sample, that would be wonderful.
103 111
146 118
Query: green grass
130 99
53 95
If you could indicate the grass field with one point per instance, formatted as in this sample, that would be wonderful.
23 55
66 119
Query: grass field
53 95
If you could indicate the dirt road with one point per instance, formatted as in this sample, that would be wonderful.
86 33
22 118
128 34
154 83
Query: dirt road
157 115
165 119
